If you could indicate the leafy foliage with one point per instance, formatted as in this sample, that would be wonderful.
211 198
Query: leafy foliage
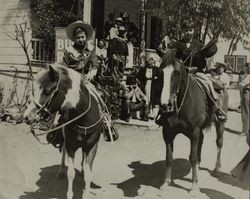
48 14
226 18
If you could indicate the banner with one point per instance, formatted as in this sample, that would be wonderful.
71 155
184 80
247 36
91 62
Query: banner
62 43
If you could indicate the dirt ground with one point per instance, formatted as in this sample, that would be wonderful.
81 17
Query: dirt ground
132 167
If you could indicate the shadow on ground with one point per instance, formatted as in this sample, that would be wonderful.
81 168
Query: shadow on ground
51 187
210 193
152 175
232 131
214 194
226 178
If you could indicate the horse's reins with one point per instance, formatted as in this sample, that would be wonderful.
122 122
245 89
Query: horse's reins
43 107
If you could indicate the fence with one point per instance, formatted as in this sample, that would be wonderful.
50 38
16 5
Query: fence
39 53
38 49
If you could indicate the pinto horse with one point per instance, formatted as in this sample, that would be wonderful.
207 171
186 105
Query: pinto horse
62 90
192 111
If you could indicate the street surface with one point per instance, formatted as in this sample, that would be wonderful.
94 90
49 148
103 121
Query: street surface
132 167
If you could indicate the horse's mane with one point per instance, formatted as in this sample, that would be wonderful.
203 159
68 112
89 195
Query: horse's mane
168 58
43 75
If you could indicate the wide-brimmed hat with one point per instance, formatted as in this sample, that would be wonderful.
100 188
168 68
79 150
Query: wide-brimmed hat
221 65
131 79
119 19
79 24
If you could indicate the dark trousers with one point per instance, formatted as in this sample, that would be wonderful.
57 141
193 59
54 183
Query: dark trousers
245 101
141 106
118 63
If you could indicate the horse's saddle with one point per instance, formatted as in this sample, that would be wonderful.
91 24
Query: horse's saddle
217 84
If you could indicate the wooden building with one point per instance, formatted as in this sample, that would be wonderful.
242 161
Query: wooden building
13 12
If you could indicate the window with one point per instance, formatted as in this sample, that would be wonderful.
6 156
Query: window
236 62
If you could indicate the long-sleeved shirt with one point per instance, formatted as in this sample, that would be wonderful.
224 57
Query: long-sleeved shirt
82 61
225 79
136 94
245 82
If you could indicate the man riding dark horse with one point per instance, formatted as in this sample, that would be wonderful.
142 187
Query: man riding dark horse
194 58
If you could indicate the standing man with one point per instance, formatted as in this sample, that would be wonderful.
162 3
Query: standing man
148 76
221 74
118 49
108 25
132 30
244 86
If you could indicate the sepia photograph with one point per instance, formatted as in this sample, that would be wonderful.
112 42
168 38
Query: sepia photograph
124 99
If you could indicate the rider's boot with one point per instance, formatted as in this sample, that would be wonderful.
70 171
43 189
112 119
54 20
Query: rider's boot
159 118
220 114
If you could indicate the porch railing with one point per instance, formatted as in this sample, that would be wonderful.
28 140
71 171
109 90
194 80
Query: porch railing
38 50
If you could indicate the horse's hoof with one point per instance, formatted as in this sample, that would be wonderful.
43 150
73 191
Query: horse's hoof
216 173
86 195
193 194
164 187
60 175
196 194
70 195
142 191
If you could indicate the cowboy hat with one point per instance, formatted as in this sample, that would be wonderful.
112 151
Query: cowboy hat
119 19
209 49
131 79
79 24
219 65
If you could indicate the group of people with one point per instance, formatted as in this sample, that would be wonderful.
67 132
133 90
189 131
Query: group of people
88 62
120 35
143 92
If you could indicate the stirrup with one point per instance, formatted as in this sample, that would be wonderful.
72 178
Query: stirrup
110 134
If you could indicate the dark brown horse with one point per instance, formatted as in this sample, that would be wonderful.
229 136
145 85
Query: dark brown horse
192 111
62 90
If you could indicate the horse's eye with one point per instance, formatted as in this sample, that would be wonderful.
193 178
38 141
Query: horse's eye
46 92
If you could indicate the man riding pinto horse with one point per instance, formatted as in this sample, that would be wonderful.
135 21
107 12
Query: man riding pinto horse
82 58
195 60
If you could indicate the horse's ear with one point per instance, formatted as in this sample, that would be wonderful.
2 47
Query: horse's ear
53 74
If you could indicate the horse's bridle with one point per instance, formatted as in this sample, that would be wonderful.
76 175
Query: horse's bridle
44 108
178 89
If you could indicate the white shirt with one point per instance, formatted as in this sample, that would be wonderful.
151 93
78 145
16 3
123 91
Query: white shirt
225 79
101 52
245 83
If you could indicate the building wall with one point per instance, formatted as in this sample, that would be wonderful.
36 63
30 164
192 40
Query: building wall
12 12
223 46
12 56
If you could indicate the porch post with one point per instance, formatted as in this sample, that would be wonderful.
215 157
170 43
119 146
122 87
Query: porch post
143 23
87 11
